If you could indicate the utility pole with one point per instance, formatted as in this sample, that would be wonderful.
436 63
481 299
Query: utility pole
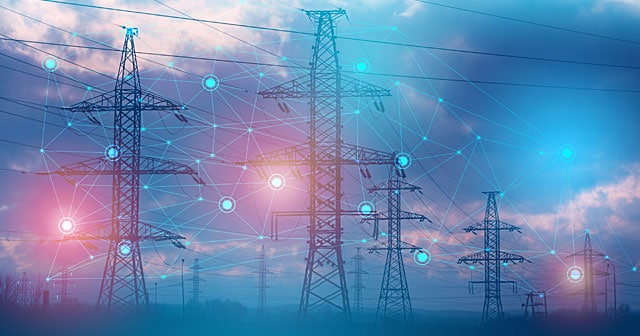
23 298
588 253
195 292
325 154
262 284
123 282
492 258
182 285
394 303
358 272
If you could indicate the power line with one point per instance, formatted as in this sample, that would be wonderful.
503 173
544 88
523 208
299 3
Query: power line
575 31
418 46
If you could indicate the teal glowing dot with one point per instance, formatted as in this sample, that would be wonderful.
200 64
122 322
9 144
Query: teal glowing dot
586 231
478 137
210 82
284 58
363 240
41 150
112 152
575 274
472 267
187 243
435 240
440 100
361 65
125 248
383 234
142 129
261 74
567 153
212 155
501 194
227 204
394 28
127 77
396 83
163 277
74 34
69 124
215 125
403 160
171 64
249 130
261 237
168 142
276 182
197 161
200 199
357 112
553 252
366 208
89 88
606 257
505 264
458 152
634 268
50 63
422 257
540 153
145 186
424 138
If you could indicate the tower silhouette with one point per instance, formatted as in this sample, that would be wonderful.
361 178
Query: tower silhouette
394 302
123 282
262 284
195 287
588 253
325 154
358 287
492 258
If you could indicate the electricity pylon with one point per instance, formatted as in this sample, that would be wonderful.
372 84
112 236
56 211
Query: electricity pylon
589 306
394 302
123 281
64 282
492 258
195 287
23 296
325 154
262 284
358 272
537 303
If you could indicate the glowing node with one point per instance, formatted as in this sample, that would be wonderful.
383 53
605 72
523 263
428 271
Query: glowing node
276 182
435 240
187 243
472 267
361 65
41 150
634 268
363 240
366 208
200 199
163 277
440 100
567 153
112 152
227 204
210 82
403 160
168 142
478 137
66 225
422 257
575 274
69 124
125 248
261 237
458 152
383 234
505 264
47 279
91 257
424 138
553 252
49 64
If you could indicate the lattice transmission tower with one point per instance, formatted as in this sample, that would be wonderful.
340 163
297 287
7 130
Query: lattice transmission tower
195 287
123 282
589 253
262 271
325 154
394 302
64 282
492 258
358 287
537 304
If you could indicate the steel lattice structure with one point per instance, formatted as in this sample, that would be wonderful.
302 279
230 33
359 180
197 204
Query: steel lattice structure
492 258
262 284
394 302
324 281
588 253
123 281
358 272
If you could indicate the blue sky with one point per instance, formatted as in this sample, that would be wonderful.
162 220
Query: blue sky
502 124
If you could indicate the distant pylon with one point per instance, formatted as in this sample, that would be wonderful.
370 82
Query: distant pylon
394 302
492 258
262 283
358 287
64 282
195 284
589 305
23 297
537 304
123 282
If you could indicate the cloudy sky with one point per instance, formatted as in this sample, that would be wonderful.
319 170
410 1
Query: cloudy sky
535 99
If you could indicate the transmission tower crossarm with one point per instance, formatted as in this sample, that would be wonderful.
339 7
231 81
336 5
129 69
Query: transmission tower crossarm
104 166
145 232
501 256
301 156
502 226
402 246
350 87
106 102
